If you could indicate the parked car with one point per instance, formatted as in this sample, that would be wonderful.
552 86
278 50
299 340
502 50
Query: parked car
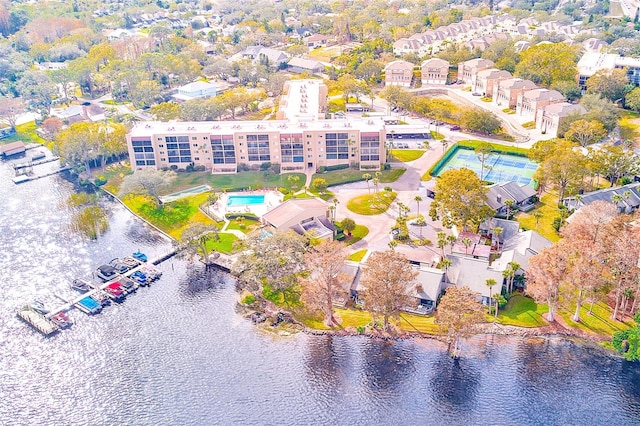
454 128
476 94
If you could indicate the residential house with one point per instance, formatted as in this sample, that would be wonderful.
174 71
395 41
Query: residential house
626 198
300 65
487 79
70 115
316 40
594 44
530 102
398 73
551 116
305 216
434 71
519 247
521 195
506 91
468 70
272 57
404 46
196 90
522 45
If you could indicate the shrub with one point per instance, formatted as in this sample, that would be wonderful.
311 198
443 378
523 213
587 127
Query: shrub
275 168
336 167
265 166
249 299
100 180
284 191
243 167
322 169
557 223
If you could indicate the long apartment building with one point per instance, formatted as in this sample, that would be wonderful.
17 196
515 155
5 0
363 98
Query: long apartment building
298 140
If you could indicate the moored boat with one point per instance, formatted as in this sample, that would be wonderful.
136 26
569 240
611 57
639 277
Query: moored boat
38 306
101 297
81 285
106 272
140 256
115 292
89 305
62 320
119 266
128 285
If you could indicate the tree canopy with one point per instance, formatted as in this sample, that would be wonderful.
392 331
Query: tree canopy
458 313
460 199
546 64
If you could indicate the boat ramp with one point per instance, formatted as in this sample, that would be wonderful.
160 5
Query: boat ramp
43 322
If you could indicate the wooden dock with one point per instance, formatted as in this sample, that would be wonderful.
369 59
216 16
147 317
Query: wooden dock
34 163
43 323
26 178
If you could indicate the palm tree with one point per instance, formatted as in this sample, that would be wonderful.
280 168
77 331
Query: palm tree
376 182
367 177
442 241
490 282
509 204
510 274
538 215
446 264
445 144
466 242
418 199
393 244
495 235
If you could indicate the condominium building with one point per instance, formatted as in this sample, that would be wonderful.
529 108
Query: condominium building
530 102
434 71
592 62
398 73
298 140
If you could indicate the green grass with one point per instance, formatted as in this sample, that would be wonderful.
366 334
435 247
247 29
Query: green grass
522 311
357 256
506 149
232 182
630 127
353 317
338 177
436 135
548 206
529 125
26 133
173 217
371 204
244 226
599 322
486 99
336 105
422 323
224 244
357 234
406 155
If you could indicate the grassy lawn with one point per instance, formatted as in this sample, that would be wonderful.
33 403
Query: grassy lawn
231 182
336 105
173 217
357 256
630 127
436 135
224 243
338 177
357 234
522 311
353 317
599 322
26 133
406 155
244 226
548 205
424 324
371 204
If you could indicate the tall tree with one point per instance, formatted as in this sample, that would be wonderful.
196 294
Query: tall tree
195 241
546 64
325 262
149 182
10 108
546 273
586 132
458 313
564 168
610 84
483 151
614 162
460 199
37 90
490 282
386 278
276 261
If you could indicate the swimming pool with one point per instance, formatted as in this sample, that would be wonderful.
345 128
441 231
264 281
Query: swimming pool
500 167
244 200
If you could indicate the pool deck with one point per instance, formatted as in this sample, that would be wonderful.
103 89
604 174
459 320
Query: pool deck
271 200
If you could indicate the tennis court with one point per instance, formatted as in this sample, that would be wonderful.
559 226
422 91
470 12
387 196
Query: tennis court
499 167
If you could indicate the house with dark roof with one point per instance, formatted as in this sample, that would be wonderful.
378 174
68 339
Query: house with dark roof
521 195
300 65
626 198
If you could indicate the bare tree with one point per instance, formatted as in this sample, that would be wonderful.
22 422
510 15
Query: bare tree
148 182
386 279
325 262
458 313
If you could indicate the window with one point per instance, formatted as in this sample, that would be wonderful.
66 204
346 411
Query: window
223 149
143 153
291 148
337 147
178 149
258 147
370 147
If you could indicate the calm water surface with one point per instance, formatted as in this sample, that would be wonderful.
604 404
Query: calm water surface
178 354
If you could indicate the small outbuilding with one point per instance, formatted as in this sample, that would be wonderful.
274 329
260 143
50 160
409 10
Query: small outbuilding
11 149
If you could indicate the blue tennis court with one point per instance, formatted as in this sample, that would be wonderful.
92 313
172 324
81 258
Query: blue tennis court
498 168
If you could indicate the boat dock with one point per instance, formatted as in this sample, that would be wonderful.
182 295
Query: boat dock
26 178
43 323
34 163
